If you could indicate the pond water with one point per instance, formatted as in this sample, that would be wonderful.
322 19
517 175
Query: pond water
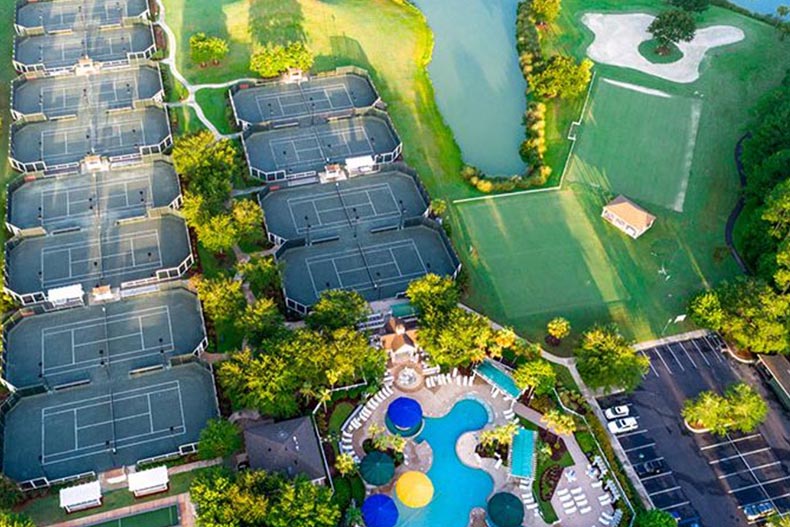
767 7
479 87
457 487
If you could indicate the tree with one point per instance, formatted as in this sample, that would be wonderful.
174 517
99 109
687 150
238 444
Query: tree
561 77
438 207
272 59
706 311
207 167
696 6
263 275
777 210
203 48
558 328
545 11
219 234
222 298
433 296
655 518
9 519
538 375
302 504
248 219
460 338
9 493
345 464
606 360
220 438
262 321
740 408
337 308
560 423
499 435
670 27
778 521
299 56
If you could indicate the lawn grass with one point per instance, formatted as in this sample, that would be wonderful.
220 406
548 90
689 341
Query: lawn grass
216 107
339 415
46 510
388 38
649 50
532 257
7 74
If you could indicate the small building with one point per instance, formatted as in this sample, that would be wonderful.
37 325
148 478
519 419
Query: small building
147 482
81 497
398 339
288 447
777 370
628 216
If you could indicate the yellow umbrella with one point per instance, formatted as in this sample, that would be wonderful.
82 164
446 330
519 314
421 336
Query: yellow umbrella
414 489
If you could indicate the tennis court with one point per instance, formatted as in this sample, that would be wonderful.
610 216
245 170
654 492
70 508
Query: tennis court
64 50
55 97
311 148
92 133
365 203
378 265
106 425
652 166
83 200
90 343
64 15
318 97
108 255
164 517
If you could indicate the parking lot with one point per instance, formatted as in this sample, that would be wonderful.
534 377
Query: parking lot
702 478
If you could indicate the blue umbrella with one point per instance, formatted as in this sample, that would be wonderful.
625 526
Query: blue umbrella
405 413
379 511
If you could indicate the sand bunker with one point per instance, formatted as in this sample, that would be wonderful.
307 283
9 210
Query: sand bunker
617 39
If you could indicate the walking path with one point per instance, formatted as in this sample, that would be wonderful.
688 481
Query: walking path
190 101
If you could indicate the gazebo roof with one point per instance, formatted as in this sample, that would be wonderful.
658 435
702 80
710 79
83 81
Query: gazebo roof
505 510
379 510
404 412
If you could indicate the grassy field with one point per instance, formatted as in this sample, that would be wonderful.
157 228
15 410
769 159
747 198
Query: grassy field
388 38
7 74
532 257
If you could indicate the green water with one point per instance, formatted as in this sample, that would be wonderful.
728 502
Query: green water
479 87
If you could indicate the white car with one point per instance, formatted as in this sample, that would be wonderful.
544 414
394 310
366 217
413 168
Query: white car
617 412
620 426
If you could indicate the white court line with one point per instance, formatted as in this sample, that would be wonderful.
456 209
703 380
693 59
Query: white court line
723 443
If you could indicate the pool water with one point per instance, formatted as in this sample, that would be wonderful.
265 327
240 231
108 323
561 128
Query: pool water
479 86
503 380
457 487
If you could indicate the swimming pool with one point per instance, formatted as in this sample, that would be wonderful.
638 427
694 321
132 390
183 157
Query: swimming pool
505 382
522 459
457 487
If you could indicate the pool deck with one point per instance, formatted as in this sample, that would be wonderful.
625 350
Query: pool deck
438 400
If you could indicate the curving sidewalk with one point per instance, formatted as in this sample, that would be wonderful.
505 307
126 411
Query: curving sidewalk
192 89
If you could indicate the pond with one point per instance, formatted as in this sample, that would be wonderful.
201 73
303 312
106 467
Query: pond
767 7
478 83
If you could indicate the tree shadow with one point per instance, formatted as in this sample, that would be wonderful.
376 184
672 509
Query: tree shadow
276 21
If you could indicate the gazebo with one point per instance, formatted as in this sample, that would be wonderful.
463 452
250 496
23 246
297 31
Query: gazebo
505 510
414 489
379 510
404 416
377 468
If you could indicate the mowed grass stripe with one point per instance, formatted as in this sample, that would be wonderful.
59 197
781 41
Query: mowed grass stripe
165 517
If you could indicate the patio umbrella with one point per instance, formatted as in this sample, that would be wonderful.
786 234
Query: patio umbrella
379 510
404 413
377 468
505 510
414 489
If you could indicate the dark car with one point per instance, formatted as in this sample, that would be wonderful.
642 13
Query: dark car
649 468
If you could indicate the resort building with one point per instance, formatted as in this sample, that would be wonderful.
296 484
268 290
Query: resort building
398 340
289 447
776 368
628 216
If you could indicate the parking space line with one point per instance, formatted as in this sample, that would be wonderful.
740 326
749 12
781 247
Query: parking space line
694 342
740 455
682 368
664 491
639 447
744 438
654 476
771 498
650 362
675 506
629 434
759 484
765 465
714 348
687 355
662 360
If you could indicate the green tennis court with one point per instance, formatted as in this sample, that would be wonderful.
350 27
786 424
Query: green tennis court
638 142
166 517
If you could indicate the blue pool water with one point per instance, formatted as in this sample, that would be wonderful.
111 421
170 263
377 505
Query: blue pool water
457 488
523 456
766 7
504 381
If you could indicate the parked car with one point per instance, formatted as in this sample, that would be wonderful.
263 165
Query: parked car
758 511
620 426
617 412
649 468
